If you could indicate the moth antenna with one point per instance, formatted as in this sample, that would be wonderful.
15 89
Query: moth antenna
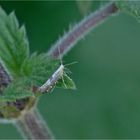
63 65
60 57
75 62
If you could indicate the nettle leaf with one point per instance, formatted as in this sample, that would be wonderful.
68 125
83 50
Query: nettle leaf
66 82
17 90
14 46
38 68
132 7
27 70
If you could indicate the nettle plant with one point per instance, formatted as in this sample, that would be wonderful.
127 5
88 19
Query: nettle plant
25 76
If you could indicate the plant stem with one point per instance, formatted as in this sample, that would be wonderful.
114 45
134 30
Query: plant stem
4 78
64 44
32 126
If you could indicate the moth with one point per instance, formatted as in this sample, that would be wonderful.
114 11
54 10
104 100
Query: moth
48 85
58 74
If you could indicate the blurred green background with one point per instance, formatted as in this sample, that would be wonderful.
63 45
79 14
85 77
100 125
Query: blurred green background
106 103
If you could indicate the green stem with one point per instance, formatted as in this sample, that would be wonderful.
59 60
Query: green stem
32 126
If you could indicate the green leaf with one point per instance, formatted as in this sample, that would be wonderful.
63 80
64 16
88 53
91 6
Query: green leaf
38 68
66 82
17 90
14 46
132 7
27 70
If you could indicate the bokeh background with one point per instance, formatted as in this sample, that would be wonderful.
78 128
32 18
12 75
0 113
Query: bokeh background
106 103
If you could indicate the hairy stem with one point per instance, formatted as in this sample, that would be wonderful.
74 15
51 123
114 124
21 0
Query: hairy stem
64 44
5 79
32 126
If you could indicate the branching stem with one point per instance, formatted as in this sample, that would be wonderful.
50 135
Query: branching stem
31 125
31 121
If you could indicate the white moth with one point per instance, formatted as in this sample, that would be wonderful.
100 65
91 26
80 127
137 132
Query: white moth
58 74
